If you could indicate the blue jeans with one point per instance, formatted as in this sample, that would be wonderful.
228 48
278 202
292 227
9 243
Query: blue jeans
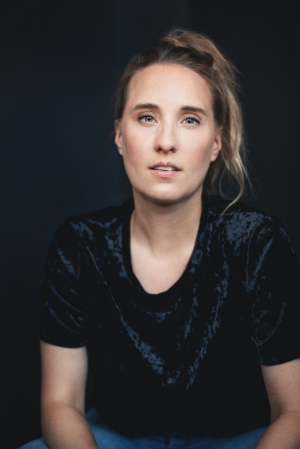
109 439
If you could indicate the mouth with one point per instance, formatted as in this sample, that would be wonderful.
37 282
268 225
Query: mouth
165 167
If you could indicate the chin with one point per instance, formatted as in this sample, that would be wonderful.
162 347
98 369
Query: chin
165 198
168 196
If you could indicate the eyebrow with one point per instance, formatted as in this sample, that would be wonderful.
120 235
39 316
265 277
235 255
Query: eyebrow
193 109
154 106
144 106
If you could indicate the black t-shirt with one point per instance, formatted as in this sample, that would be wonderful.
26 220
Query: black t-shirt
189 358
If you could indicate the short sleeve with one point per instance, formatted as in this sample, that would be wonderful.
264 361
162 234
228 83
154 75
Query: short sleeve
62 318
274 281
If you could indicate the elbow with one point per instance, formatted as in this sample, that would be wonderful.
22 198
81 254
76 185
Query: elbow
54 410
290 416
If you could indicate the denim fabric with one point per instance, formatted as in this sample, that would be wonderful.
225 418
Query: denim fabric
108 439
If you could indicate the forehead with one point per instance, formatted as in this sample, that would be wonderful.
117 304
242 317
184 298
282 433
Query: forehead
168 84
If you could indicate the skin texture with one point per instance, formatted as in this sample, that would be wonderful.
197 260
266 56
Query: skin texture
163 231
64 373
283 388
168 119
165 133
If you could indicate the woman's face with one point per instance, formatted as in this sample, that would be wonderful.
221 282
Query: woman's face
167 135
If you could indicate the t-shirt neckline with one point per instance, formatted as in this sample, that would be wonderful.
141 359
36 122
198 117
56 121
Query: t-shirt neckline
181 281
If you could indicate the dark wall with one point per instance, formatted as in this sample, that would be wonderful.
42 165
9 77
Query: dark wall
262 38
60 61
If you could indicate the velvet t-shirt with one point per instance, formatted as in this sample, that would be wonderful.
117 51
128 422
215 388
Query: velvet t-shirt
187 359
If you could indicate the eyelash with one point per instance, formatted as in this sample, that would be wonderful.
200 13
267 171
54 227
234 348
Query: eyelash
143 117
192 118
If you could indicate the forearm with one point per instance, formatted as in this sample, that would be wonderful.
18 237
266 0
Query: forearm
65 428
283 433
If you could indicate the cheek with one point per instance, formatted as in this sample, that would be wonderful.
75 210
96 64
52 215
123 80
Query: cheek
132 154
133 146
200 155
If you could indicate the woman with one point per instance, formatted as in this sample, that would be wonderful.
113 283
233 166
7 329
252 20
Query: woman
184 303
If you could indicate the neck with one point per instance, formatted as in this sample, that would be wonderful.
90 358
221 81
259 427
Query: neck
165 228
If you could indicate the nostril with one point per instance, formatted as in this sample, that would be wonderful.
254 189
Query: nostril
166 150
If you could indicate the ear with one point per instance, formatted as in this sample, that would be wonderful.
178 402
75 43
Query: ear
217 145
118 136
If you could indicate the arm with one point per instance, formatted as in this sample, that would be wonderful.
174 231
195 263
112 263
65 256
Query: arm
64 373
283 388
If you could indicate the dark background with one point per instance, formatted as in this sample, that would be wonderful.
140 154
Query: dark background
59 64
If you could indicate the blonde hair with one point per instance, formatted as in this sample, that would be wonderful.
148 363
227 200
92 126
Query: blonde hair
197 52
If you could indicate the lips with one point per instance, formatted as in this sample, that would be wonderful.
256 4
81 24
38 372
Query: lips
165 167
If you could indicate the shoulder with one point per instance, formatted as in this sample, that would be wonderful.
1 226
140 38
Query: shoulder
93 229
103 217
243 224
99 221
244 228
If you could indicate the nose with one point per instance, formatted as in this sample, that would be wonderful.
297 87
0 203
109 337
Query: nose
166 138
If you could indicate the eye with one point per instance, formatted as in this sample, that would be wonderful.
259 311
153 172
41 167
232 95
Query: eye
191 121
146 119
